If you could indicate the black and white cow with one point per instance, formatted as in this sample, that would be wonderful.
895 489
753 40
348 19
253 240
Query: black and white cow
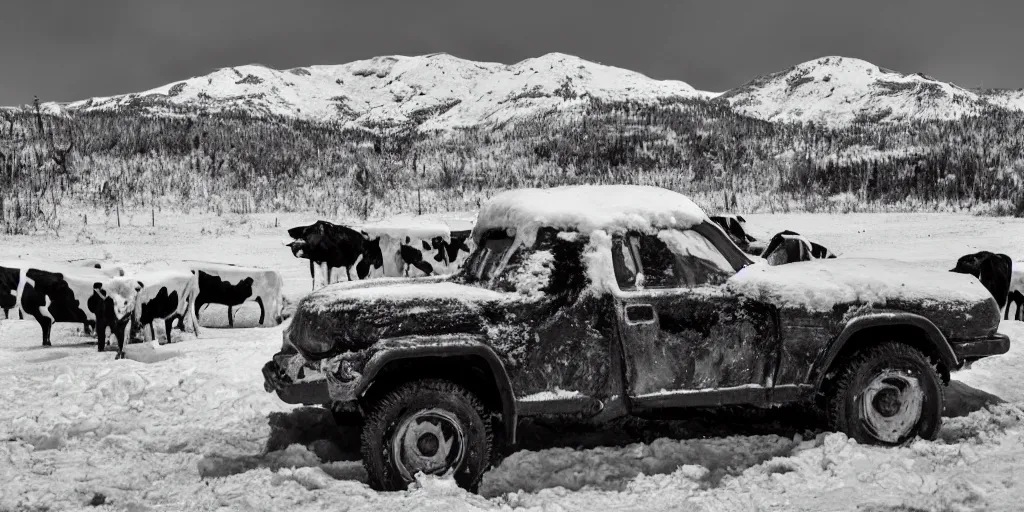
454 251
51 293
992 269
232 285
165 295
736 227
789 246
330 246
114 303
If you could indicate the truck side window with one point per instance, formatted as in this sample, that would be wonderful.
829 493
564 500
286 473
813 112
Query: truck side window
698 262
626 268
657 262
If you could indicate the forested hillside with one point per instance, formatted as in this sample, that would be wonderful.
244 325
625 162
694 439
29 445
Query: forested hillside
234 162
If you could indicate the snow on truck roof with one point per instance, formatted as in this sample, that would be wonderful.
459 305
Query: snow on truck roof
611 208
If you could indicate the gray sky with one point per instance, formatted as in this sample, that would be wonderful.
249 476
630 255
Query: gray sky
74 49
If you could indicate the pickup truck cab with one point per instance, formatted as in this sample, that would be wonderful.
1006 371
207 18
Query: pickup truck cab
595 302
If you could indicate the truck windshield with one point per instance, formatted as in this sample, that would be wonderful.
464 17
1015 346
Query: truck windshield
486 260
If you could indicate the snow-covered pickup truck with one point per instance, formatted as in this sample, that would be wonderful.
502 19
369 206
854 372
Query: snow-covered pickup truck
603 301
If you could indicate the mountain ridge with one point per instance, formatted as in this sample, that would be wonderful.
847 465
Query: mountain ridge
439 91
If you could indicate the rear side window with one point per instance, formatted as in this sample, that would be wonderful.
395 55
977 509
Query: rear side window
668 259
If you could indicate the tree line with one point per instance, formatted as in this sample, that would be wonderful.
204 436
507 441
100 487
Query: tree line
239 163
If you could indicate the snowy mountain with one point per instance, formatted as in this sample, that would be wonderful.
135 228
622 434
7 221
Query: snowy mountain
440 91
435 91
835 91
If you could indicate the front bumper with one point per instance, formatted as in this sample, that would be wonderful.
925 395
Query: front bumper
972 350
298 382
305 392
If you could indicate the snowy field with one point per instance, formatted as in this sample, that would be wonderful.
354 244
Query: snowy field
188 426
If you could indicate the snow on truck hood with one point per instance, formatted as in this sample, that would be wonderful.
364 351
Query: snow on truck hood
586 208
396 290
821 284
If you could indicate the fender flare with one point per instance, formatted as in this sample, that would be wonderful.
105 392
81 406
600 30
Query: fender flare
892 319
433 347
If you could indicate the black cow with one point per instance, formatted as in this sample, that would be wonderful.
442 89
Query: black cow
992 269
214 290
1016 298
335 246
9 278
790 246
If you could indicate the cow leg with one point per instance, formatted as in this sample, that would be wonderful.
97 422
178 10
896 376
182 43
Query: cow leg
168 322
118 329
231 316
46 324
328 275
152 330
311 266
101 333
1006 315
86 328
263 311
348 273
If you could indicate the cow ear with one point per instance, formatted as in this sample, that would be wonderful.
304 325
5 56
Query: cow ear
139 286
740 218
408 240
426 246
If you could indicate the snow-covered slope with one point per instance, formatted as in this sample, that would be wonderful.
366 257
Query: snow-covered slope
839 90
1010 99
440 91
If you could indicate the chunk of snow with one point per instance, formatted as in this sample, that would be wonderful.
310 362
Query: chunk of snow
534 274
819 285
544 396
328 297
586 208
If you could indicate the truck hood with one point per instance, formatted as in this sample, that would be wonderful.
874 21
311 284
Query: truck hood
957 303
353 316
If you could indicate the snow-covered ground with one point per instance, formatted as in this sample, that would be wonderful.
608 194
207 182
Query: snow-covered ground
188 426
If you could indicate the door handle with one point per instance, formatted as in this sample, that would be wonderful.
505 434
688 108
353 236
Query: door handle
640 313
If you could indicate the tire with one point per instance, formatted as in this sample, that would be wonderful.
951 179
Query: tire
905 394
423 409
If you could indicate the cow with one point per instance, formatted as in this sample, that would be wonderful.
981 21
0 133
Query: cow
51 293
232 285
450 252
165 295
789 246
333 246
992 269
9 279
736 227
114 304
1016 294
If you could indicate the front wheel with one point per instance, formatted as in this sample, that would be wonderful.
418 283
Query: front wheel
431 426
887 394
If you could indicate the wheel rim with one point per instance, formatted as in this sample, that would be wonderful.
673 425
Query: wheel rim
430 440
891 405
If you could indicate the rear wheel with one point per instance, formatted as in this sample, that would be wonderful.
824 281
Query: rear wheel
887 394
431 426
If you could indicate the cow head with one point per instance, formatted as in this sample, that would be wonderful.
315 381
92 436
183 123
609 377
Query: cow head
298 248
121 292
372 256
993 270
